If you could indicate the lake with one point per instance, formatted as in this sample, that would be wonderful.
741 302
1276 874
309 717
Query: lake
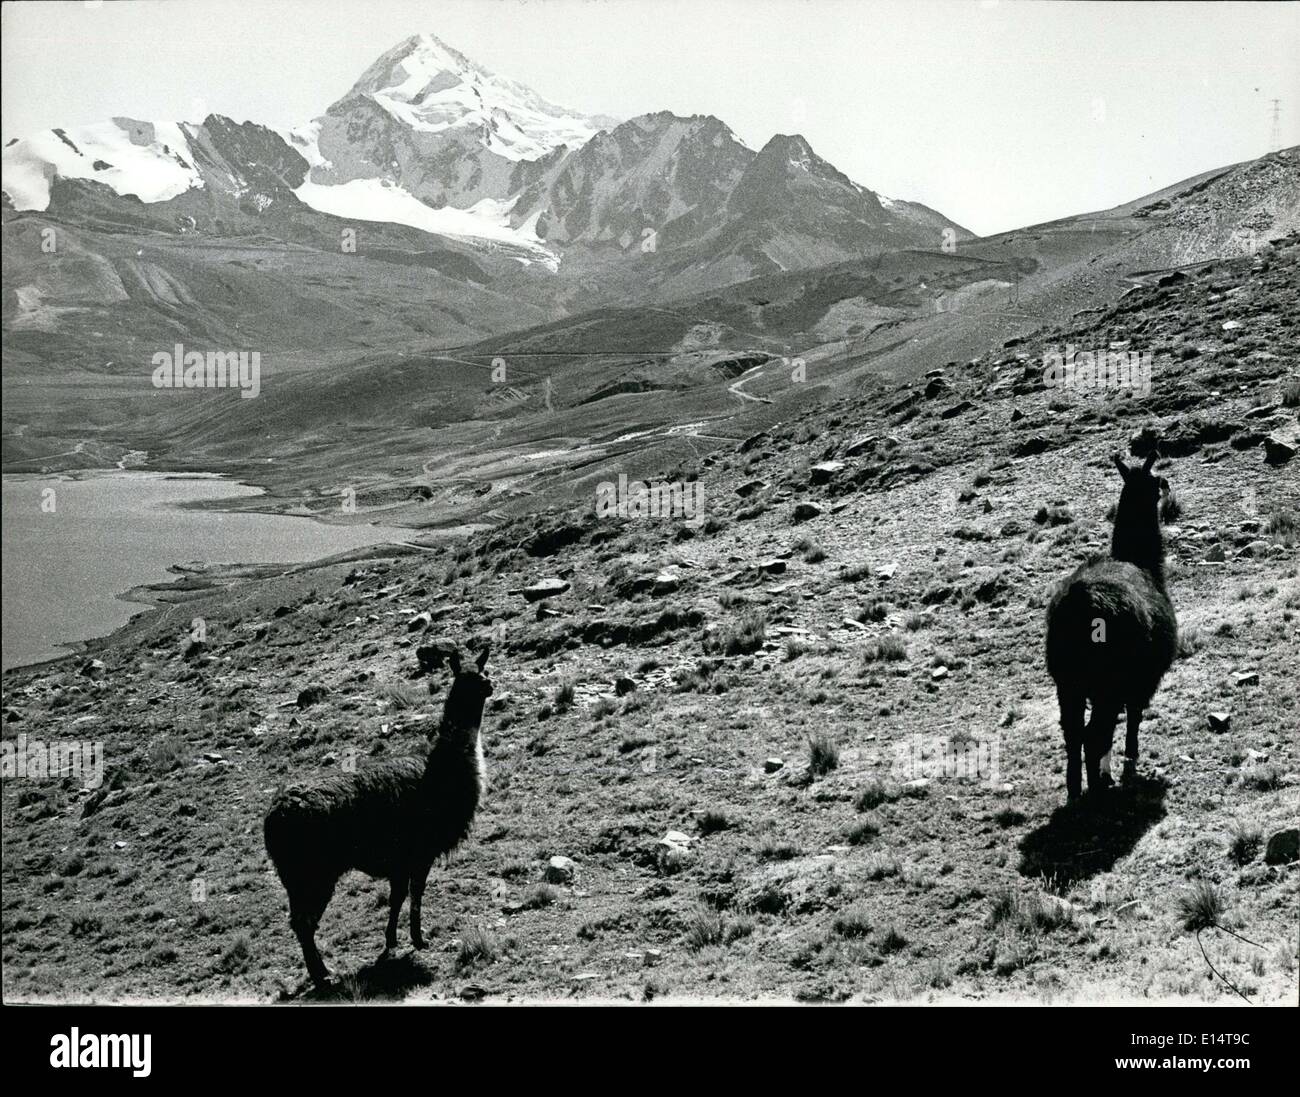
69 556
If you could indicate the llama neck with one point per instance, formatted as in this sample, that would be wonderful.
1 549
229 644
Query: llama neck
457 748
1137 540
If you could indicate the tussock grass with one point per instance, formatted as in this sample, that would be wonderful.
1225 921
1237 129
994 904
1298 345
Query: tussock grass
705 928
1202 907
872 796
853 922
477 946
740 638
823 754
888 649
713 821
562 698
1244 841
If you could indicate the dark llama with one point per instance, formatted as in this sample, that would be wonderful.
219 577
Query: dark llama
391 820
1112 634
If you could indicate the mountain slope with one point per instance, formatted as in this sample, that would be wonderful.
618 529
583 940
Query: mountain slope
899 624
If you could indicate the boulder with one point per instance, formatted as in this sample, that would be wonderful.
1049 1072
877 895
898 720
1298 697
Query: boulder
1283 847
546 588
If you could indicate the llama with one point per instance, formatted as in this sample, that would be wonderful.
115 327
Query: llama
1112 634
390 821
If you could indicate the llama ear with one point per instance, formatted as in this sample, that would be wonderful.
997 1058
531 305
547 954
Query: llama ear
1119 464
1151 460
482 657
453 661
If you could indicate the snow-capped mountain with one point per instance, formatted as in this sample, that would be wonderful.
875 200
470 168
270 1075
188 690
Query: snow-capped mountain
428 139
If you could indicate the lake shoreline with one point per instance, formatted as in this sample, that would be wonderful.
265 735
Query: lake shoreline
193 578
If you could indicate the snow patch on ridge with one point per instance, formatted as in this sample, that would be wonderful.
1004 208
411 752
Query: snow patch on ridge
151 160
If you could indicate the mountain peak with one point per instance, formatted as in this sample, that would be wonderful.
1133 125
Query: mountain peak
434 89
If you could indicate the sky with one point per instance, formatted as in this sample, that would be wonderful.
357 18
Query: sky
997 114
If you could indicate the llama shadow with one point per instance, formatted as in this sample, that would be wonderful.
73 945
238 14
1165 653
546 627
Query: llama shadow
386 979
1087 837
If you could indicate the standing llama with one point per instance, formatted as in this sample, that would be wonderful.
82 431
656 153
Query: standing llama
391 820
1112 634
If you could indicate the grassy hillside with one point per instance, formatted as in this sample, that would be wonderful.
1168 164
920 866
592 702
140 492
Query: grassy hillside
814 630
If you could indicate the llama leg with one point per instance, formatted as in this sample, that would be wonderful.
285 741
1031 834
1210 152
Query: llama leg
1131 741
1101 730
418 879
396 897
305 910
1072 706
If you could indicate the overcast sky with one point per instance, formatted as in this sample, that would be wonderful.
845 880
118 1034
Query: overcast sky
997 114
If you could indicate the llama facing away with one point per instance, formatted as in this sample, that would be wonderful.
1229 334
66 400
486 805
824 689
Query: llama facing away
1112 634
391 821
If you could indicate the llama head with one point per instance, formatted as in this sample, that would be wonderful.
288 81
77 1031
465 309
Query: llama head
1141 491
1137 518
470 688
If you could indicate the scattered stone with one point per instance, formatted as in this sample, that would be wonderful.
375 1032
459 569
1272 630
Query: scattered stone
1230 325
547 588
803 512
1246 678
957 409
903 404
861 445
560 870
194 648
824 472
1254 548
749 487
1283 847
92 668
1278 451
313 694
1219 721
419 622
1216 555
433 655
939 673
666 582
1033 445
771 566
773 765
623 685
